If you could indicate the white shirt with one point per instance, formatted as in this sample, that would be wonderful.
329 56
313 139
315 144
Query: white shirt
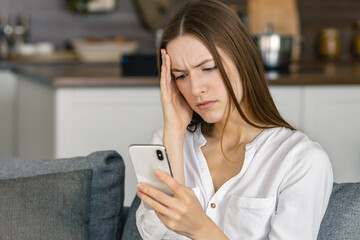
281 192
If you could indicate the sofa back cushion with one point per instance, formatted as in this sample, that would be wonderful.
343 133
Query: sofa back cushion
107 187
342 217
51 206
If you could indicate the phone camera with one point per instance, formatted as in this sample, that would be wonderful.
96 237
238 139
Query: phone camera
159 155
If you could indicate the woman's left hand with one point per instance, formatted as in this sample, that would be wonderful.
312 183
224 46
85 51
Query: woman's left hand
181 213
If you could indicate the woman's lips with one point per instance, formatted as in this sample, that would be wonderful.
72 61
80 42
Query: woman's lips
205 105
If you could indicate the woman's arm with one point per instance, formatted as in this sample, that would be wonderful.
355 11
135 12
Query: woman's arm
174 142
177 116
303 195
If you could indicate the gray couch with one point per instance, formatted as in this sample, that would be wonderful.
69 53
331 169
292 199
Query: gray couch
82 198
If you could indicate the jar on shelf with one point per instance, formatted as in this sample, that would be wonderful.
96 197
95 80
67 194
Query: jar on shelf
355 43
329 44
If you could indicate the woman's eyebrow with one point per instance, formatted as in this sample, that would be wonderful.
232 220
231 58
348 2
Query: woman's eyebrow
198 65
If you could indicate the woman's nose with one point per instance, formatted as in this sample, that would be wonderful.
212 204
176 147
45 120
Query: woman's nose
198 84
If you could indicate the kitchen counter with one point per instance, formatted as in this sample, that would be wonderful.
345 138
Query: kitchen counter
77 74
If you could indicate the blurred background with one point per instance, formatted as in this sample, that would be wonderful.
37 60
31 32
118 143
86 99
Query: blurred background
55 21
77 76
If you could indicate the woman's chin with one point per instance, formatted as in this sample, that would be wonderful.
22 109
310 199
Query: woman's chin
211 119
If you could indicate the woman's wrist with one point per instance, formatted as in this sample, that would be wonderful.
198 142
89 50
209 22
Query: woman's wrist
175 131
173 142
209 231
173 137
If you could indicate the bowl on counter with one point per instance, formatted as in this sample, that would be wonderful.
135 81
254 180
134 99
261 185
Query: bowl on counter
95 50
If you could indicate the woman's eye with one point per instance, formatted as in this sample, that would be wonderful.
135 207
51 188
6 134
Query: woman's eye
210 69
180 77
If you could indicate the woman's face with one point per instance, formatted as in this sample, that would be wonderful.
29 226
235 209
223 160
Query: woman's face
198 79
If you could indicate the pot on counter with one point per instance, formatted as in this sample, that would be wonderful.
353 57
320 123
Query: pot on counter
275 49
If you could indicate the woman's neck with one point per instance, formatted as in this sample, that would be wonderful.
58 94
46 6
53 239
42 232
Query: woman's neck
236 132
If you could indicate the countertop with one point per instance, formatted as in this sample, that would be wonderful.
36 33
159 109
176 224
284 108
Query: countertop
77 74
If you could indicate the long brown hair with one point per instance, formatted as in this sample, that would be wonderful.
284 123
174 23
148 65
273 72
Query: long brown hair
216 25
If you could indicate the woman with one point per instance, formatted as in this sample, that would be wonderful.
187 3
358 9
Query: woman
240 171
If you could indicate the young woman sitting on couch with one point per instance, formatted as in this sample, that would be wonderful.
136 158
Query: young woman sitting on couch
240 171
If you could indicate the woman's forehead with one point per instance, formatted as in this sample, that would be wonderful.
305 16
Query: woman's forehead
187 48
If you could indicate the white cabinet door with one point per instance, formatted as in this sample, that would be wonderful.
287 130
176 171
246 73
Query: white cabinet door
91 119
35 118
332 117
8 84
26 116
288 101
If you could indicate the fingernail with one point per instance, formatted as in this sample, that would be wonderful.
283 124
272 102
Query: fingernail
139 193
158 172
140 186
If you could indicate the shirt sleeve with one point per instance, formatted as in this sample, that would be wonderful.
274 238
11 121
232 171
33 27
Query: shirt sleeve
151 228
303 195
149 225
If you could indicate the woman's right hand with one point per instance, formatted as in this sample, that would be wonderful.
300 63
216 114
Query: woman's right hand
177 112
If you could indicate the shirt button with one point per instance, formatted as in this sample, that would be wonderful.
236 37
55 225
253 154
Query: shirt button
213 205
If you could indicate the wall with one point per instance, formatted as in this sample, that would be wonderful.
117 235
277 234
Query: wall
52 21
318 14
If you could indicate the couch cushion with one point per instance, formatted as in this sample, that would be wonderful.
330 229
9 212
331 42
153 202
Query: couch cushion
107 188
342 217
52 206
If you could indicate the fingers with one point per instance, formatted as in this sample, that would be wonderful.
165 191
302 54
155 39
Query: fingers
166 66
174 186
163 67
167 87
155 205
156 199
178 190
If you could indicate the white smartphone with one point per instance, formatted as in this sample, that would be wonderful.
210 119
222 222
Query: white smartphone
146 158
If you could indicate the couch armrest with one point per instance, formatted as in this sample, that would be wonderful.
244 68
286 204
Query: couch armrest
130 231
124 216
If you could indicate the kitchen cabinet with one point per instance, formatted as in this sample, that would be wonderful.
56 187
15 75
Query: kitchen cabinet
332 117
34 118
91 119
288 101
8 83
60 121
26 116
329 115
